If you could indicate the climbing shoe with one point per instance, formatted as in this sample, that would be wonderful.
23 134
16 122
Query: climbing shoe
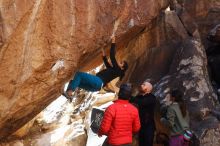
69 98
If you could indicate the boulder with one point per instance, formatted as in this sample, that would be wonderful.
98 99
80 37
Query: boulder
206 15
152 51
188 73
177 55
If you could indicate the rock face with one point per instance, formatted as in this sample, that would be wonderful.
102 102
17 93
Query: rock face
63 123
213 54
187 68
44 42
180 61
152 52
188 73
214 34
205 14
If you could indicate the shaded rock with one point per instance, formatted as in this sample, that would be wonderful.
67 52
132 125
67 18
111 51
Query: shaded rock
213 55
186 69
214 34
171 40
206 15
211 138
188 22
188 73
23 131
214 64
152 52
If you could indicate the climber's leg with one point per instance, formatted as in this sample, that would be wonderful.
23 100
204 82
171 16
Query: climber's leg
85 81
74 83
91 83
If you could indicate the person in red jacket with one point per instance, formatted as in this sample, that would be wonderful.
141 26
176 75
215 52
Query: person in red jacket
120 120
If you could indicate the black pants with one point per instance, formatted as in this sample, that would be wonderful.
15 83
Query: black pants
121 145
146 135
106 144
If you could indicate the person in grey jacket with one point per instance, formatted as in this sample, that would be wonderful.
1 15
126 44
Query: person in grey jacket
177 119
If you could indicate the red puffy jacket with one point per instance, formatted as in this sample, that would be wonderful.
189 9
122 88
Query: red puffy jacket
120 120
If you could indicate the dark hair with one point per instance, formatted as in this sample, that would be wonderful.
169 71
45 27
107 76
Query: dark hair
125 91
178 97
125 66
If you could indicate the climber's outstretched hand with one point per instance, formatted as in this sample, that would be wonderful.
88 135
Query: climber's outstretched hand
113 38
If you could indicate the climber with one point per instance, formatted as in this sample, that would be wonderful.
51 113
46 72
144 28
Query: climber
177 120
96 82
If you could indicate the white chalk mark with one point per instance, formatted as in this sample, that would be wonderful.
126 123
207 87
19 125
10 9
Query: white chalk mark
118 2
135 3
167 9
58 65
131 23
26 43
73 18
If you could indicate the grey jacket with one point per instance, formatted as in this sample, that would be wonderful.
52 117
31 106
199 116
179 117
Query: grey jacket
175 120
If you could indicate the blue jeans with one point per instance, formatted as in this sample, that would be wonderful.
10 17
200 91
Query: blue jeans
85 81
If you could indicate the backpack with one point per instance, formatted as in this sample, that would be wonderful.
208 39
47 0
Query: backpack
96 119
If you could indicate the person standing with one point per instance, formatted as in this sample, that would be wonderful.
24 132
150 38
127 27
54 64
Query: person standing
146 103
177 120
120 119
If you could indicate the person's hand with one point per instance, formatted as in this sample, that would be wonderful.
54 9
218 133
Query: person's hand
163 120
99 135
113 38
